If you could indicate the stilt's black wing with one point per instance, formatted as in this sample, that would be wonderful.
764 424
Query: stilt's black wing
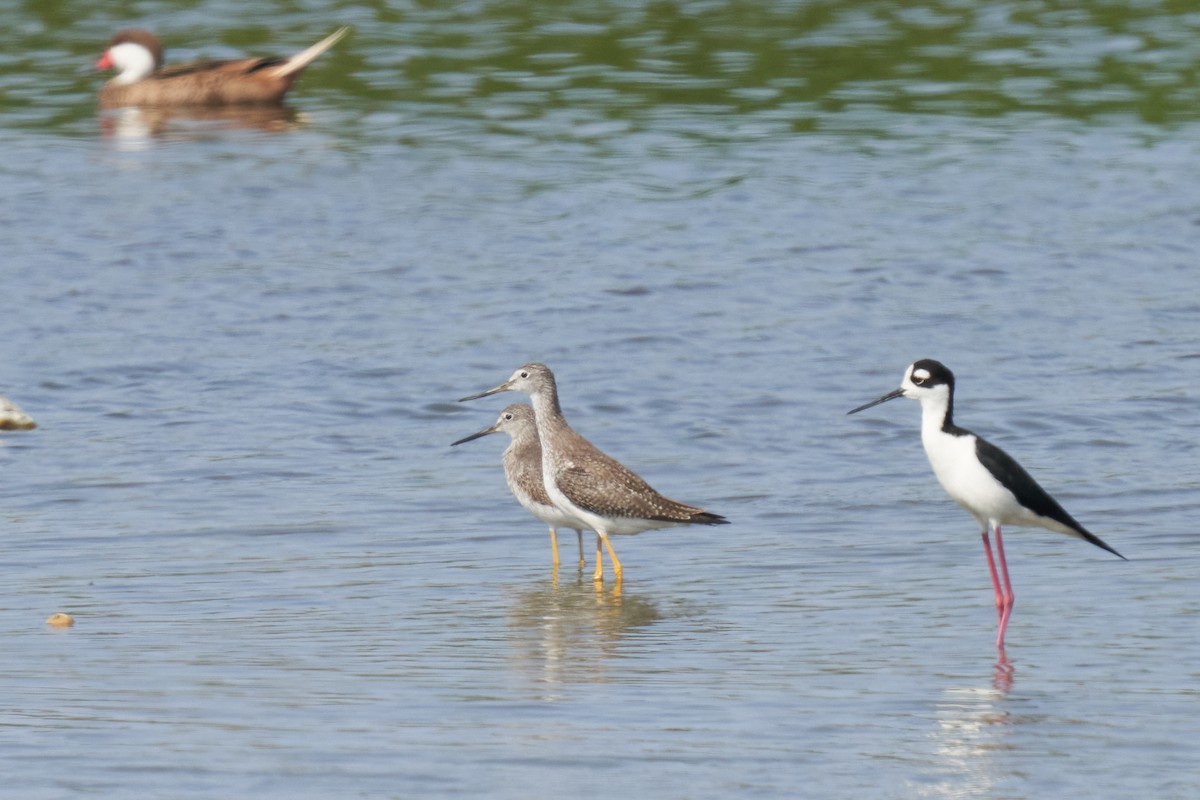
1029 493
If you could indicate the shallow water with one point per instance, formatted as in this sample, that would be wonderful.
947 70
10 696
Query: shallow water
723 225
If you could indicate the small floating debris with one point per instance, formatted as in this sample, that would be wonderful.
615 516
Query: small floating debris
12 418
60 620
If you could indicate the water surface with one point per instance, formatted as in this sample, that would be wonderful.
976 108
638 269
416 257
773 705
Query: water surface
723 225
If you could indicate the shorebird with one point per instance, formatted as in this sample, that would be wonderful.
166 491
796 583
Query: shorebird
12 418
587 484
142 80
987 482
523 472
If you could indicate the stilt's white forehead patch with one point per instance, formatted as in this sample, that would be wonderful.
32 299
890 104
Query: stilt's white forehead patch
921 374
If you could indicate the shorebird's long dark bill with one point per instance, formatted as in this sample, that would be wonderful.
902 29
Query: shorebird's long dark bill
884 399
474 436
501 388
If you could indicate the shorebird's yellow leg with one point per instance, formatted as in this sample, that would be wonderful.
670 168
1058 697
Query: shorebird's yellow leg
554 546
582 563
598 575
612 556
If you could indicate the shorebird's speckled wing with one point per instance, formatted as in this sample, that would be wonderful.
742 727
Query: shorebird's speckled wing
601 485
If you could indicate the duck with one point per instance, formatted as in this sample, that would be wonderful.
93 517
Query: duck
142 80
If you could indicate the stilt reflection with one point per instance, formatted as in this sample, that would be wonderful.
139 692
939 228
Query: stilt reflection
972 726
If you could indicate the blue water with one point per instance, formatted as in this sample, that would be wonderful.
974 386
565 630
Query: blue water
243 350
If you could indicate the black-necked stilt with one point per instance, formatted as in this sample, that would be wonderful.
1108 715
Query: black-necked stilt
590 486
523 472
980 477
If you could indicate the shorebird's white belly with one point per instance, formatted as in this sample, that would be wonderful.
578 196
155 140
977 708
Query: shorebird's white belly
968 482
547 514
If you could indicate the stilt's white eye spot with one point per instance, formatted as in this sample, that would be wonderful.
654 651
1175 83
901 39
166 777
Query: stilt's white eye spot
919 376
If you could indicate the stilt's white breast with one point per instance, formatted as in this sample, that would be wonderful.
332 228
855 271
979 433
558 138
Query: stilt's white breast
958 469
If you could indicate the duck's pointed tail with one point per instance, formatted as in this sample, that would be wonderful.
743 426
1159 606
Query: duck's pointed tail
306 57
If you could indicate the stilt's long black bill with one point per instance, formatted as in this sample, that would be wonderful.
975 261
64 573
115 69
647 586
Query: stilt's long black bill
884 399
501 388
474 436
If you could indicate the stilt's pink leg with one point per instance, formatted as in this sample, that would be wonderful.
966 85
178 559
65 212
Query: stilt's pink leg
987 548
1002 677
1009 597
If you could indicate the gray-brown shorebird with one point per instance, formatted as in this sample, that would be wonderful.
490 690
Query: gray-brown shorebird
597 490
523 472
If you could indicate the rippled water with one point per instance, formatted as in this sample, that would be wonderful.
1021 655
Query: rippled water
723 225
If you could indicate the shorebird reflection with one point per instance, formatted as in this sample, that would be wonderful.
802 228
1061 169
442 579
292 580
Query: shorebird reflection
569 631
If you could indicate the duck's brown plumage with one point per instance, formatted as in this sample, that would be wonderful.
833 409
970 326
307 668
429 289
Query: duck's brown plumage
242 81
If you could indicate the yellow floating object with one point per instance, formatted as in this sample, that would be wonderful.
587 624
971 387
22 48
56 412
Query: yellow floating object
60 620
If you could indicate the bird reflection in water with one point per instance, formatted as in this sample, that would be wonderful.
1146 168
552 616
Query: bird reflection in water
140 123
569 631
972 726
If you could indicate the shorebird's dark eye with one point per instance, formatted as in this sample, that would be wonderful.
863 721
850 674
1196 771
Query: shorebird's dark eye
918 380
508 416
524 374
